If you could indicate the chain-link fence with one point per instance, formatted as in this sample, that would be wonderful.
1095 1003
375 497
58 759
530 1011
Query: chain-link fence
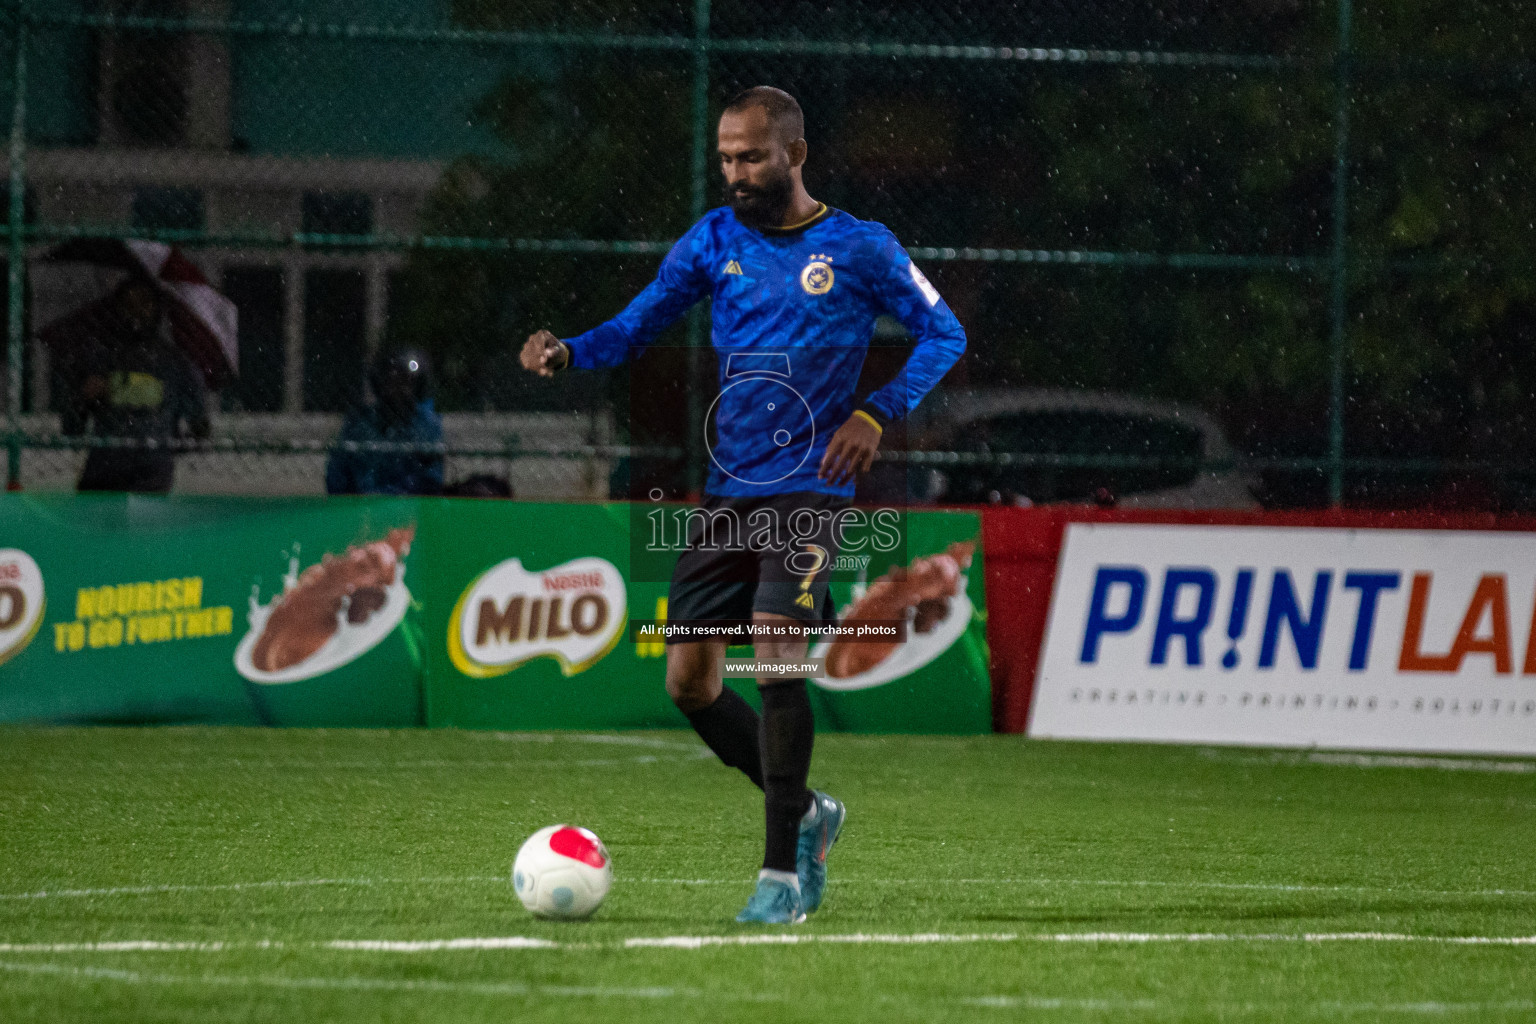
1266 252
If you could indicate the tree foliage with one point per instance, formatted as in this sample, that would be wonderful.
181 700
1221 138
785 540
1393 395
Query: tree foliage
1441 127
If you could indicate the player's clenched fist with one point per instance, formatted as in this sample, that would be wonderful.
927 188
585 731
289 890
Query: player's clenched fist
544 353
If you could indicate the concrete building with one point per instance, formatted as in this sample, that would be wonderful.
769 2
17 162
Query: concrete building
251 135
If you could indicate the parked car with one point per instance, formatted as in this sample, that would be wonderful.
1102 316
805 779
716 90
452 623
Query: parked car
1192 465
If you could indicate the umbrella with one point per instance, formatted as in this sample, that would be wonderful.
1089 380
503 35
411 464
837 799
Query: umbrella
204 322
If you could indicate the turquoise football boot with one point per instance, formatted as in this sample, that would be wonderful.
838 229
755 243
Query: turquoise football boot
773 903
816 838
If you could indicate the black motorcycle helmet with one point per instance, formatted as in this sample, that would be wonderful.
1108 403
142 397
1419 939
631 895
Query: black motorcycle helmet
401 375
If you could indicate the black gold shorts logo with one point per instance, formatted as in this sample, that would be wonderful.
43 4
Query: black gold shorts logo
818 558
816 278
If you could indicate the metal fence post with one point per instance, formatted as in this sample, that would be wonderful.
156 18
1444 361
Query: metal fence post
16 254
698 334
1339 300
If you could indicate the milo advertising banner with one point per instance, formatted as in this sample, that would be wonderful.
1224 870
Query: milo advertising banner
398 612
536 601
542 596
140 609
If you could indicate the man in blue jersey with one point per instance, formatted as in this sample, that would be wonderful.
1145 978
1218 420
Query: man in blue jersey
796 289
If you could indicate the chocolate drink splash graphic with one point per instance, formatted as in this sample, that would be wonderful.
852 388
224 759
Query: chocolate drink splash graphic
923 588
306 616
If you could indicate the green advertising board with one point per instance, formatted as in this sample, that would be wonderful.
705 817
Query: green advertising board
400 612
535 603
162 609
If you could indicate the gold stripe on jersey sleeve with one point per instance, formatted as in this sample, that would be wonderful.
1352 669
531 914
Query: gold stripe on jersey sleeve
874 422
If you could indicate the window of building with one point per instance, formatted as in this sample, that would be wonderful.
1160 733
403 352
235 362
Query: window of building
335 341
162 208
146 76
257 293
337 213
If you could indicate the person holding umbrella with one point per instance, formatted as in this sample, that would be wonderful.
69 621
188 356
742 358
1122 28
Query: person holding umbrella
124 381
134 368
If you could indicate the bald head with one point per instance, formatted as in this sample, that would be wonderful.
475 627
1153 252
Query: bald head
762 150
783 111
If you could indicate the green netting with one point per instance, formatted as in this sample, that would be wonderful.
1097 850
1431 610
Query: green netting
1309 223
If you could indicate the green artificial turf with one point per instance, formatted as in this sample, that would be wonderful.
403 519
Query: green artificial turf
296 839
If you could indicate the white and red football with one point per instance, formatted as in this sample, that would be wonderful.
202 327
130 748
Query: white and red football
562 872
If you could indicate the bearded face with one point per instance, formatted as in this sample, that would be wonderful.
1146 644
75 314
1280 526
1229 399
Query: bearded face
763 203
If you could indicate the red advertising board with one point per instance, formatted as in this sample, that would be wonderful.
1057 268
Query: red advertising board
1023 547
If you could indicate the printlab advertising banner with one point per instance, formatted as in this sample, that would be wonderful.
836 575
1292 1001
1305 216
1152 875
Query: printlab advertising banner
1355 639
400 612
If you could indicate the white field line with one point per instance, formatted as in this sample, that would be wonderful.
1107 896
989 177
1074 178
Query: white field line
1137 937
940 938
1232 1009
382 984
667 751
616 740
698 942
801 938
133 946
1427 1007
1129 883
141 890
1347 760
1051 1003
588 737
384 764
519 990
694 942
1444 764
1264 886
438 945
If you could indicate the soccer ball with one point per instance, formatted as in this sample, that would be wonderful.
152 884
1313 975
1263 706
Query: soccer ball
562 872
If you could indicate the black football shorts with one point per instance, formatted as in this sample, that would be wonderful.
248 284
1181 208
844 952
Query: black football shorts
772 553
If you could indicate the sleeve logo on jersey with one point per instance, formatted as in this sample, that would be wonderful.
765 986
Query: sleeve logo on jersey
817 276
929 291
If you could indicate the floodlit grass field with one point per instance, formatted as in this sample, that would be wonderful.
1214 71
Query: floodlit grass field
196 874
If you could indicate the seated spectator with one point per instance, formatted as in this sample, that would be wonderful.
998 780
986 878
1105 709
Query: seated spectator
122 378
401 412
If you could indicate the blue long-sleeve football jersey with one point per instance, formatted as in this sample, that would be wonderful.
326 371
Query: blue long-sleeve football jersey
793 313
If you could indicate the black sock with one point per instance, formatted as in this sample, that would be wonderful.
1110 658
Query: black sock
788 731
729 727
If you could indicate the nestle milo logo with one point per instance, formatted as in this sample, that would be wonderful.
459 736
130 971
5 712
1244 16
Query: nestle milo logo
21 601
574 613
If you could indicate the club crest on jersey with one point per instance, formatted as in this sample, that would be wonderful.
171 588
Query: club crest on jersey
817 276
734 268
